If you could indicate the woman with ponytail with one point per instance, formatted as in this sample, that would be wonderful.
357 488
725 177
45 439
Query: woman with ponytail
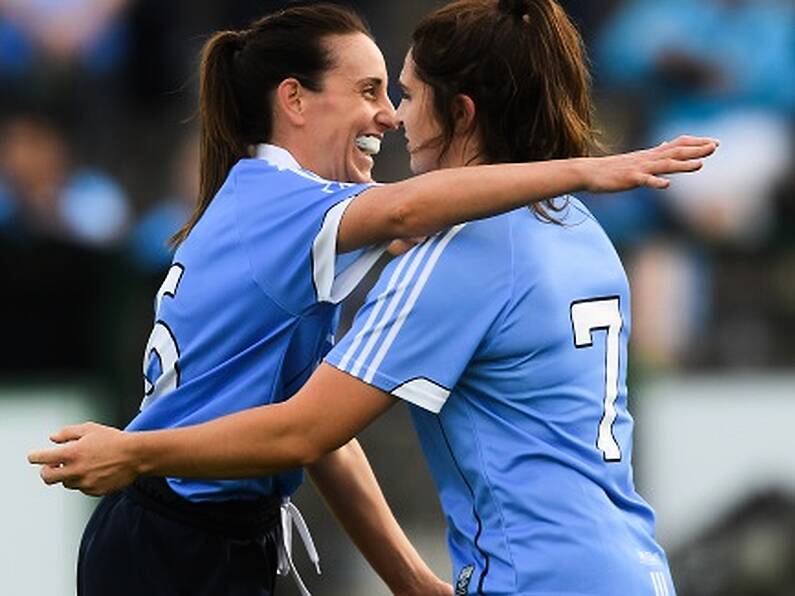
498 320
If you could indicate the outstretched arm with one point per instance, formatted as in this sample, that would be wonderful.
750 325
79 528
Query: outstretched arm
431 202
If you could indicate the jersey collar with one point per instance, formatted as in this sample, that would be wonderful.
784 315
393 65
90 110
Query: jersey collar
277 157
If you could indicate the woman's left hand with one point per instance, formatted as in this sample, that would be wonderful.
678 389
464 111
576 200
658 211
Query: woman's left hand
90 457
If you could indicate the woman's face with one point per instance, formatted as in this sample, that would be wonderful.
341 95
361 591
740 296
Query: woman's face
415 112
352 104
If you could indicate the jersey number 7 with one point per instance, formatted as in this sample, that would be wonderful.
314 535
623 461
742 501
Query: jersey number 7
602 314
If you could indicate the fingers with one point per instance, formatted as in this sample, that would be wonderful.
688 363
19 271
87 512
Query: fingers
675 166
49 457
690 140
691 151
652 181
54 474
70 433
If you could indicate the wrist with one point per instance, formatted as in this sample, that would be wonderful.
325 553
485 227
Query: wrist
582 169
134 453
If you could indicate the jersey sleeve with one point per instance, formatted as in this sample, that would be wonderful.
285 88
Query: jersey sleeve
428 314
288 222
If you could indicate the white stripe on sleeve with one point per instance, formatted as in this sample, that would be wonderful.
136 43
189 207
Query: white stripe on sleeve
373 314
402 284
415 293
329 286
423 393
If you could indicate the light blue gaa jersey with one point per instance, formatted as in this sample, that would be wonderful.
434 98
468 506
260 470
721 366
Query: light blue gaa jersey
249 306
509 338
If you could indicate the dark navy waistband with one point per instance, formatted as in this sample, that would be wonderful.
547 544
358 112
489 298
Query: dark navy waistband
241 519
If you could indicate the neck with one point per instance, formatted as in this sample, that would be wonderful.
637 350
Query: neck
463 152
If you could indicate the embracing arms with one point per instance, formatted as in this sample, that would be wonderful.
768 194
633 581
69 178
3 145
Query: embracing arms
431 202
327 412
314 428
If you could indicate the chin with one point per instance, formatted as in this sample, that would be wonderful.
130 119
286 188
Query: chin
361 174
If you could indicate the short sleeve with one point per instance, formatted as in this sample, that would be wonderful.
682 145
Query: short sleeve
428 314
288 222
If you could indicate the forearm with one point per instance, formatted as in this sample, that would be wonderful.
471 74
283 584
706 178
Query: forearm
426 204
346 481
254 443
326 413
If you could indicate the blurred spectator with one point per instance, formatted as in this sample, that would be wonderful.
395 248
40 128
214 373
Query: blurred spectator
724 68
44 195
148 242
60 32
719 67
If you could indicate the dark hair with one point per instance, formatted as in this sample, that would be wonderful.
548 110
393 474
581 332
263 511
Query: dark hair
523 64
239 72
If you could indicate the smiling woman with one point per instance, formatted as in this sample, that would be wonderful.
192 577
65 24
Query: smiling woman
287 223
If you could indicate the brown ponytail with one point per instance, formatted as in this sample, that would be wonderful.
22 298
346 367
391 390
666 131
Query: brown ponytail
523 64
239 72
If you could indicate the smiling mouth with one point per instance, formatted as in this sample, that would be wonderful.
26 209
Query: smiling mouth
370 145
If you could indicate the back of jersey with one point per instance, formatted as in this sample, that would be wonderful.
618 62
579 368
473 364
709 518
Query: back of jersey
514 355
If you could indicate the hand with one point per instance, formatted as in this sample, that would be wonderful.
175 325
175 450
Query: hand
92 458
403 245
644 168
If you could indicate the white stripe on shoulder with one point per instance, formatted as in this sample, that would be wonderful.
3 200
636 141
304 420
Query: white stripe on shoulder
357 340
401 285
423 393
324 251
415 293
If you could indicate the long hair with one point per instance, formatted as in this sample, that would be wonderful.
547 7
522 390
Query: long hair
238 74
523 63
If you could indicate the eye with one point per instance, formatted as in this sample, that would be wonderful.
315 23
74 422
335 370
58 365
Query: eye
405 95
370 92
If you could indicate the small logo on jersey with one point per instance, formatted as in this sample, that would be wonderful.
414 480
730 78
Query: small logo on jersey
462 583
649 558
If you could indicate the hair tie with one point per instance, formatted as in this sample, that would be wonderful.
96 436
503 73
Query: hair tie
241 39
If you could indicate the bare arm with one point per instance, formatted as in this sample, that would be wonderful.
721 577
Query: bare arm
328 411
348 485
431 202
308 429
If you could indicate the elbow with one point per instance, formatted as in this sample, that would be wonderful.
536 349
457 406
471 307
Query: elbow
304 451
405 219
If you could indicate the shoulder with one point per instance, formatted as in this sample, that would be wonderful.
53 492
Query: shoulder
464 260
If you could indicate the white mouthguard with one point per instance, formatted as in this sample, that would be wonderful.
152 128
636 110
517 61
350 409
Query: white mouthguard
369 144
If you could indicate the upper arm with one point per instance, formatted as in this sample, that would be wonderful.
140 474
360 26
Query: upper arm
332 408
373 217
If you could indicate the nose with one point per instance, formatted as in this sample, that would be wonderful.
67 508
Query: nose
386 116
399 113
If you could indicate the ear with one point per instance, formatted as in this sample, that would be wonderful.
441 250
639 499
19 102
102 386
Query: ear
464 114
290 101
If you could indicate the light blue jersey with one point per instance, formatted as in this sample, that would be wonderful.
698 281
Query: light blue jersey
249 306
509 338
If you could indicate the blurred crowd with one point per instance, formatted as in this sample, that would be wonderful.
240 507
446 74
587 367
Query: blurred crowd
98 167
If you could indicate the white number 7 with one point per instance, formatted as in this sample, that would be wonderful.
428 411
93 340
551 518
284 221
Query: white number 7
602 314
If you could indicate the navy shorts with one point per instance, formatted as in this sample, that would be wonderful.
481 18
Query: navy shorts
147 540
